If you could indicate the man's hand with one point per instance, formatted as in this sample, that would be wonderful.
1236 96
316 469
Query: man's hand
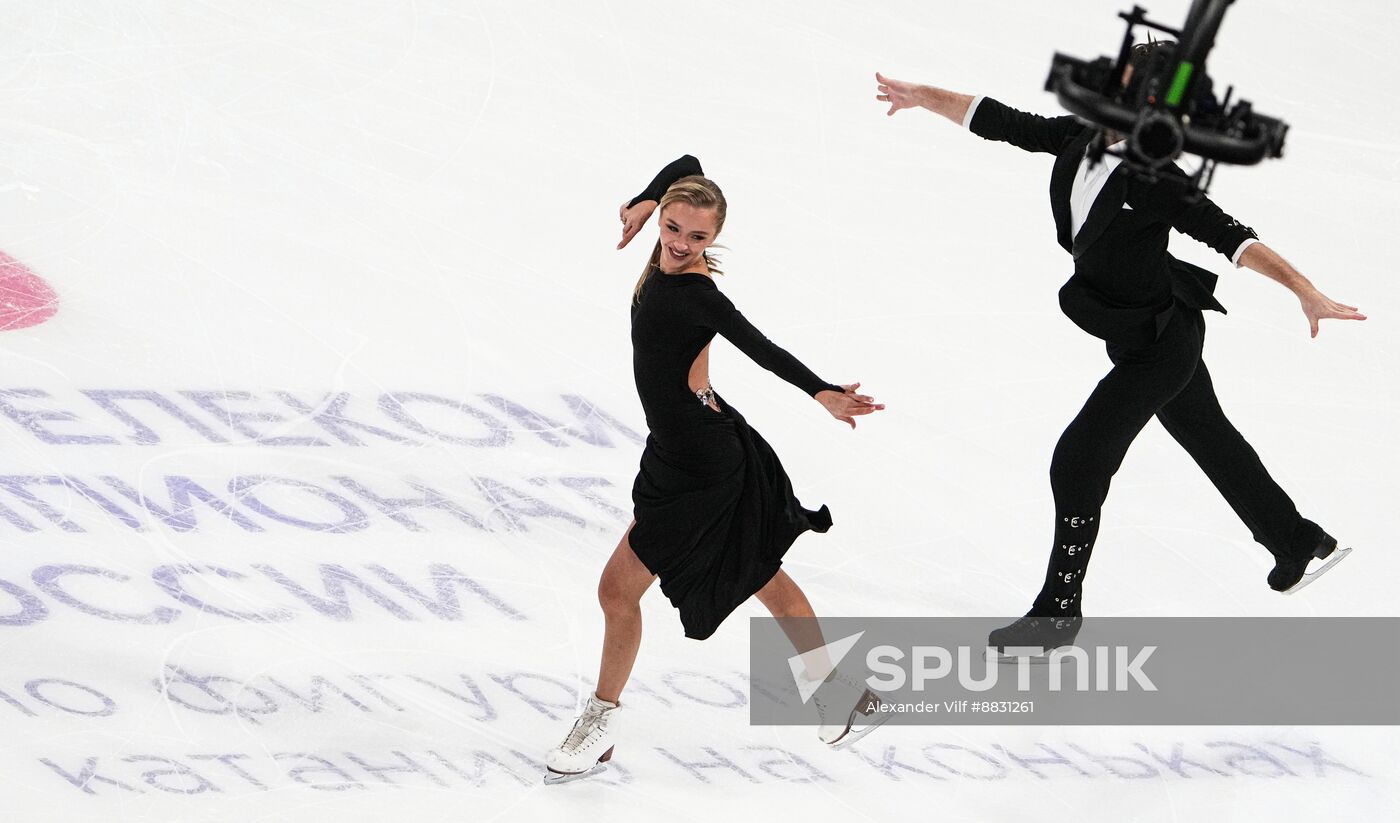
1318 306
898 93
902 95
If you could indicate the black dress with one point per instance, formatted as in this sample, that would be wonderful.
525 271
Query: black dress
715 511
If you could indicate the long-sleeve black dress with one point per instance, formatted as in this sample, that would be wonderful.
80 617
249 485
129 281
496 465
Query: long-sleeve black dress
715 512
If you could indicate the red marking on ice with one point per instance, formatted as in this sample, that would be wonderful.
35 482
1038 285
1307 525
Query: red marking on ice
25 299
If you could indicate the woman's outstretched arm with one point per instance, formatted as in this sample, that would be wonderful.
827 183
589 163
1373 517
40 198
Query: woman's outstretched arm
718 313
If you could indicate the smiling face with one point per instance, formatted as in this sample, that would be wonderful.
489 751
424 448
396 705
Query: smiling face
686 231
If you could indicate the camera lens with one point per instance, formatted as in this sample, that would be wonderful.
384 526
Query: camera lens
1156 139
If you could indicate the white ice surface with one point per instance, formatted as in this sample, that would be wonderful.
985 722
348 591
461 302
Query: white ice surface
420 197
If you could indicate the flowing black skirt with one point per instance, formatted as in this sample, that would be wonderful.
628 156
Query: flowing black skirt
715 514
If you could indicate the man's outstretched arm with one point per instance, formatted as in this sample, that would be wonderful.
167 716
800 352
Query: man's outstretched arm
1316 305
983 116
903 95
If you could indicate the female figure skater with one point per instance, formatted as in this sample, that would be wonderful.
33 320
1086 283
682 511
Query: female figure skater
1147 306
714 510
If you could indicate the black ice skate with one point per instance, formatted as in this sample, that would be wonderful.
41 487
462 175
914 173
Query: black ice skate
1033 636
1288 576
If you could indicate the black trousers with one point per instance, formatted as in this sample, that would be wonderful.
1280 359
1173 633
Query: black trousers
1168 379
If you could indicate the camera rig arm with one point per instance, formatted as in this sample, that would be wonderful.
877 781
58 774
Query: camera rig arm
1174 109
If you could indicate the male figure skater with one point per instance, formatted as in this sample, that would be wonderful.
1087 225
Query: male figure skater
1147 306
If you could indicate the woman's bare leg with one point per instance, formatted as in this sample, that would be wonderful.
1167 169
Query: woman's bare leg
625 579
838 725
786 602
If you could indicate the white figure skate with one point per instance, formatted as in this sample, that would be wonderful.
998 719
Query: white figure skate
588 747
847 710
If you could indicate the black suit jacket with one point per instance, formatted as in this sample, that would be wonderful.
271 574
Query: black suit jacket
1125 284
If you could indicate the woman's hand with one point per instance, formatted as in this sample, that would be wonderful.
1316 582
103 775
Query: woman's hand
848 404
634 218
1318 306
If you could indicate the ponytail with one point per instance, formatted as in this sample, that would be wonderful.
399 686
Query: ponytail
652 264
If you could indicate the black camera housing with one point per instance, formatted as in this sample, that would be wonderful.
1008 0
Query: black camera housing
1169 106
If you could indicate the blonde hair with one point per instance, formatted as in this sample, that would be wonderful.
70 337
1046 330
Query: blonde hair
697 191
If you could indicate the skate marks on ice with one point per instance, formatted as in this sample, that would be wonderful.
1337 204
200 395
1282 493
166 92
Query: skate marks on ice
416 728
